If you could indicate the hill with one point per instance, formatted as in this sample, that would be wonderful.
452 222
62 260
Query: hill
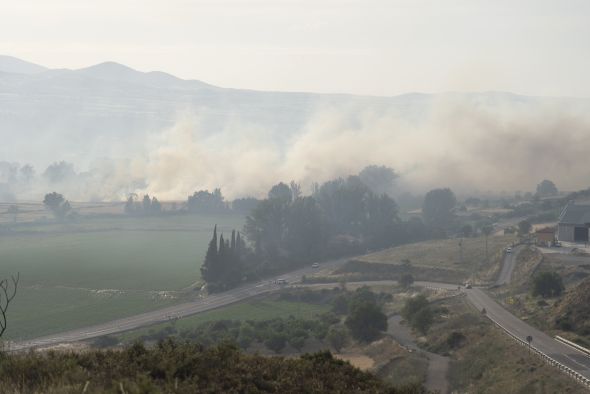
572 313
184 368
9 64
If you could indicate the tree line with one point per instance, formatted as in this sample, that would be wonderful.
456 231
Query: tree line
287 230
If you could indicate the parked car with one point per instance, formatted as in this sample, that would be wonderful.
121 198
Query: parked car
468 285
282 281
509 250
315 265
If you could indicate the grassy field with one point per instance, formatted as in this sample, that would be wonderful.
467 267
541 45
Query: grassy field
98 269
251 310
447 255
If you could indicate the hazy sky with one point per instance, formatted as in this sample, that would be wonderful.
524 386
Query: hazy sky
381 47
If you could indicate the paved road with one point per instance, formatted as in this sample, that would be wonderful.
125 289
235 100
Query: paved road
560 352
508 266
176 311
438 366
564 354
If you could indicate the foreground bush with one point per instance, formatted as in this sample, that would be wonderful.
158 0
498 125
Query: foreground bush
171 367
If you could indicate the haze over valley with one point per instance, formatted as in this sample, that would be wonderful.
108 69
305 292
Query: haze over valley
124 131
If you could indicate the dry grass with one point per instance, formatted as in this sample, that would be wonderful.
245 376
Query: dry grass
487 360
445 255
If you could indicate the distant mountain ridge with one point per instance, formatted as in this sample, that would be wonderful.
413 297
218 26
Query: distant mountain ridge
108 109
9 64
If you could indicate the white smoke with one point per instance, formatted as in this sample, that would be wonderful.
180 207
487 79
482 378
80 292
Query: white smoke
463 143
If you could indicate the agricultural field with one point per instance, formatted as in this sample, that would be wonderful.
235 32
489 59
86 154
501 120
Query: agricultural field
102 268
446 259
259 309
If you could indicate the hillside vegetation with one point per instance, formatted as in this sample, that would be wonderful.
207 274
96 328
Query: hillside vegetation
184 368
572 313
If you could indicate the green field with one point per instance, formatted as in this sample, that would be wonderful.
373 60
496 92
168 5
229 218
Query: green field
251 310
99 269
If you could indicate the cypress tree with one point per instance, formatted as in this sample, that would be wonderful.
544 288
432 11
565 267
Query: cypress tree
233 240
210 265
238 244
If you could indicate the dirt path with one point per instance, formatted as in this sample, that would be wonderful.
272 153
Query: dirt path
438 366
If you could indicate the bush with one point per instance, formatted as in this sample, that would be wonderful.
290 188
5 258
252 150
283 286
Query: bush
337 338
406 280
455 340
418 313
366 320
547 284
276 342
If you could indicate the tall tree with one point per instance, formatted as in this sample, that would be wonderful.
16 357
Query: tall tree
546 189
437 208
57 204
209 266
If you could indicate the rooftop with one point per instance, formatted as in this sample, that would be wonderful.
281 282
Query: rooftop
575 214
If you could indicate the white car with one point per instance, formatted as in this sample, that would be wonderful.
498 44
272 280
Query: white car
508 250
315 265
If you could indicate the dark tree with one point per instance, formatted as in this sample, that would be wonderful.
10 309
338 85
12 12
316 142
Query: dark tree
337 338
146 205
366 321
56 203
276 342
546 189
524 227
209 268
422 320
58 172
379 179
155 206
437 208
418 313
205 202
281 192
131 204
406 280
413 305
547 284
7 293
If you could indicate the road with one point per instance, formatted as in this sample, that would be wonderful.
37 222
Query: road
438 366
508 266
574 359
564 354
176 311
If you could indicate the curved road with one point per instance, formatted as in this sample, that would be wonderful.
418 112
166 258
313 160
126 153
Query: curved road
508 266
568 356
176 311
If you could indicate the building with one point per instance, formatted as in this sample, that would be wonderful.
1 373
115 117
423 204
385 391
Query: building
574 222
545 236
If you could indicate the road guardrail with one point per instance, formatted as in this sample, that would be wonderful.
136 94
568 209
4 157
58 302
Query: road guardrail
548 359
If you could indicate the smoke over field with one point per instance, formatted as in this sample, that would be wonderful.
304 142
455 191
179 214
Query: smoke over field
471 143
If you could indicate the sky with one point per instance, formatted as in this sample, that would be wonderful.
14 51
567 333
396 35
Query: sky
379 47
376 47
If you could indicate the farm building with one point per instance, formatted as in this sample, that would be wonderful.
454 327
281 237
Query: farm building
545 236
574 222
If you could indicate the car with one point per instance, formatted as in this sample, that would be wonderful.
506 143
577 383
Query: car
557 244
508 250
315 265
282 281
468 285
